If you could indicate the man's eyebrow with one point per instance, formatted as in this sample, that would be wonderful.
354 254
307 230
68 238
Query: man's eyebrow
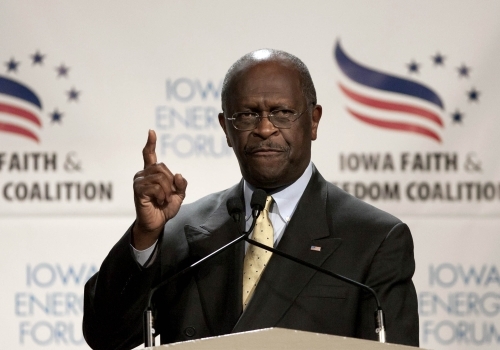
272 107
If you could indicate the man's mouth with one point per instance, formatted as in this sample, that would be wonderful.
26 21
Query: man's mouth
263 150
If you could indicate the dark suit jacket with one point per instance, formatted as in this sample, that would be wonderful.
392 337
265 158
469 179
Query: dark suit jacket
356 240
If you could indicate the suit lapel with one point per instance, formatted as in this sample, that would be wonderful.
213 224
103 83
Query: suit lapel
283 280
217 278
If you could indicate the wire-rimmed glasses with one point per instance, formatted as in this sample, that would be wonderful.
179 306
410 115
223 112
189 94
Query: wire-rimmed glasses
280 118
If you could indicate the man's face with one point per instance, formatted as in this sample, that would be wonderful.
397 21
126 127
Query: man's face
270 157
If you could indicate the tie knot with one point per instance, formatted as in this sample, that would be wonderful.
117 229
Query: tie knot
269 201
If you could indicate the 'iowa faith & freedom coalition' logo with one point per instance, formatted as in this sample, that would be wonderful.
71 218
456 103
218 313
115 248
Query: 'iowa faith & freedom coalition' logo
397 103
22 111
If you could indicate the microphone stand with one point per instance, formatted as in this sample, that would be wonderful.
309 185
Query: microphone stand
148 319
379 314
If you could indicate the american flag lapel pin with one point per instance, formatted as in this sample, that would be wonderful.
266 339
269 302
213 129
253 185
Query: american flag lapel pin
315 248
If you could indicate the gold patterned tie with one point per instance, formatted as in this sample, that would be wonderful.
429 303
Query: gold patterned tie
256 258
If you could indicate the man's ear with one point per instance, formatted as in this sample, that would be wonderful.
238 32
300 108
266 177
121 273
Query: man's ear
316 117
222 122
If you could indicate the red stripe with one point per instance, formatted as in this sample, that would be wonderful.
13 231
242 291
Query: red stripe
397 126
18 130
392 106
20 113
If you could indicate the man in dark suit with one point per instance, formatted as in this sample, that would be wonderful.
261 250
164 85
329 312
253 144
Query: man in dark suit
270 117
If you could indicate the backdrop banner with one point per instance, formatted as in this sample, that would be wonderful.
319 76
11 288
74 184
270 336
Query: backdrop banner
410 125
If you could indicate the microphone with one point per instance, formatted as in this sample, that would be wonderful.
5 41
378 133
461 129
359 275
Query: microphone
379 313
235 209
258 200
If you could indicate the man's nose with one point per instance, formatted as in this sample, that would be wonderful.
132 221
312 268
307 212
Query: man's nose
265 128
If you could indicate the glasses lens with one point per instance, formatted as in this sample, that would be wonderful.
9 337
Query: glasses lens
245 121
282 118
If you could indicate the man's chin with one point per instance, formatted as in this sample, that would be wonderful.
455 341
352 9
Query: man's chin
267 172
267 178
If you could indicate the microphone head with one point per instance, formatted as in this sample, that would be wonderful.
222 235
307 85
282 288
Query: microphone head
234 207
258 200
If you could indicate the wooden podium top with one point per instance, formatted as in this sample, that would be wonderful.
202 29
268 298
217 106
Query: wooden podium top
279 338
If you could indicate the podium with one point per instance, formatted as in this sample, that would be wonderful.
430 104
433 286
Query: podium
280 339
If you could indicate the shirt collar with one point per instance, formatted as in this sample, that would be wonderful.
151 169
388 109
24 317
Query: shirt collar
286 199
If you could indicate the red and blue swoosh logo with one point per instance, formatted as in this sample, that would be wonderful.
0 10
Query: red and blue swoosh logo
416 107
20 98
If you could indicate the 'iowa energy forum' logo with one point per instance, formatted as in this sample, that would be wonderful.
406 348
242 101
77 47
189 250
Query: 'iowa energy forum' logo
396 103
22 112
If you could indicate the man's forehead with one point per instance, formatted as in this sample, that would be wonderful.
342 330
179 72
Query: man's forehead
267 66
267 76
268 86
274 98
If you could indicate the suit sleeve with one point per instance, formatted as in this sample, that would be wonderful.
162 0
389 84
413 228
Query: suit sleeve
390 276
115 298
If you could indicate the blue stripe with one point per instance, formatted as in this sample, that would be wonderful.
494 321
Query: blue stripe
381 81
12 88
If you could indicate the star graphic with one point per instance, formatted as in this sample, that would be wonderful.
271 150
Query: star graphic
37 58
62 71
457 117
438 59
413 67
463 71
73 94
12 65
56 116
473 95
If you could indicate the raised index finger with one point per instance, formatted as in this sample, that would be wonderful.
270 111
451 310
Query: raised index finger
148 152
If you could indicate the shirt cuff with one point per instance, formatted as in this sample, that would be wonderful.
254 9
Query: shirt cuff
142 256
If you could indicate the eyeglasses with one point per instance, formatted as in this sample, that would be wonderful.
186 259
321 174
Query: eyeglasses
280 118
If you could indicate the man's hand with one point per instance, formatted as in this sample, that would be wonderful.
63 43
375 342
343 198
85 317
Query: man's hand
158 195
